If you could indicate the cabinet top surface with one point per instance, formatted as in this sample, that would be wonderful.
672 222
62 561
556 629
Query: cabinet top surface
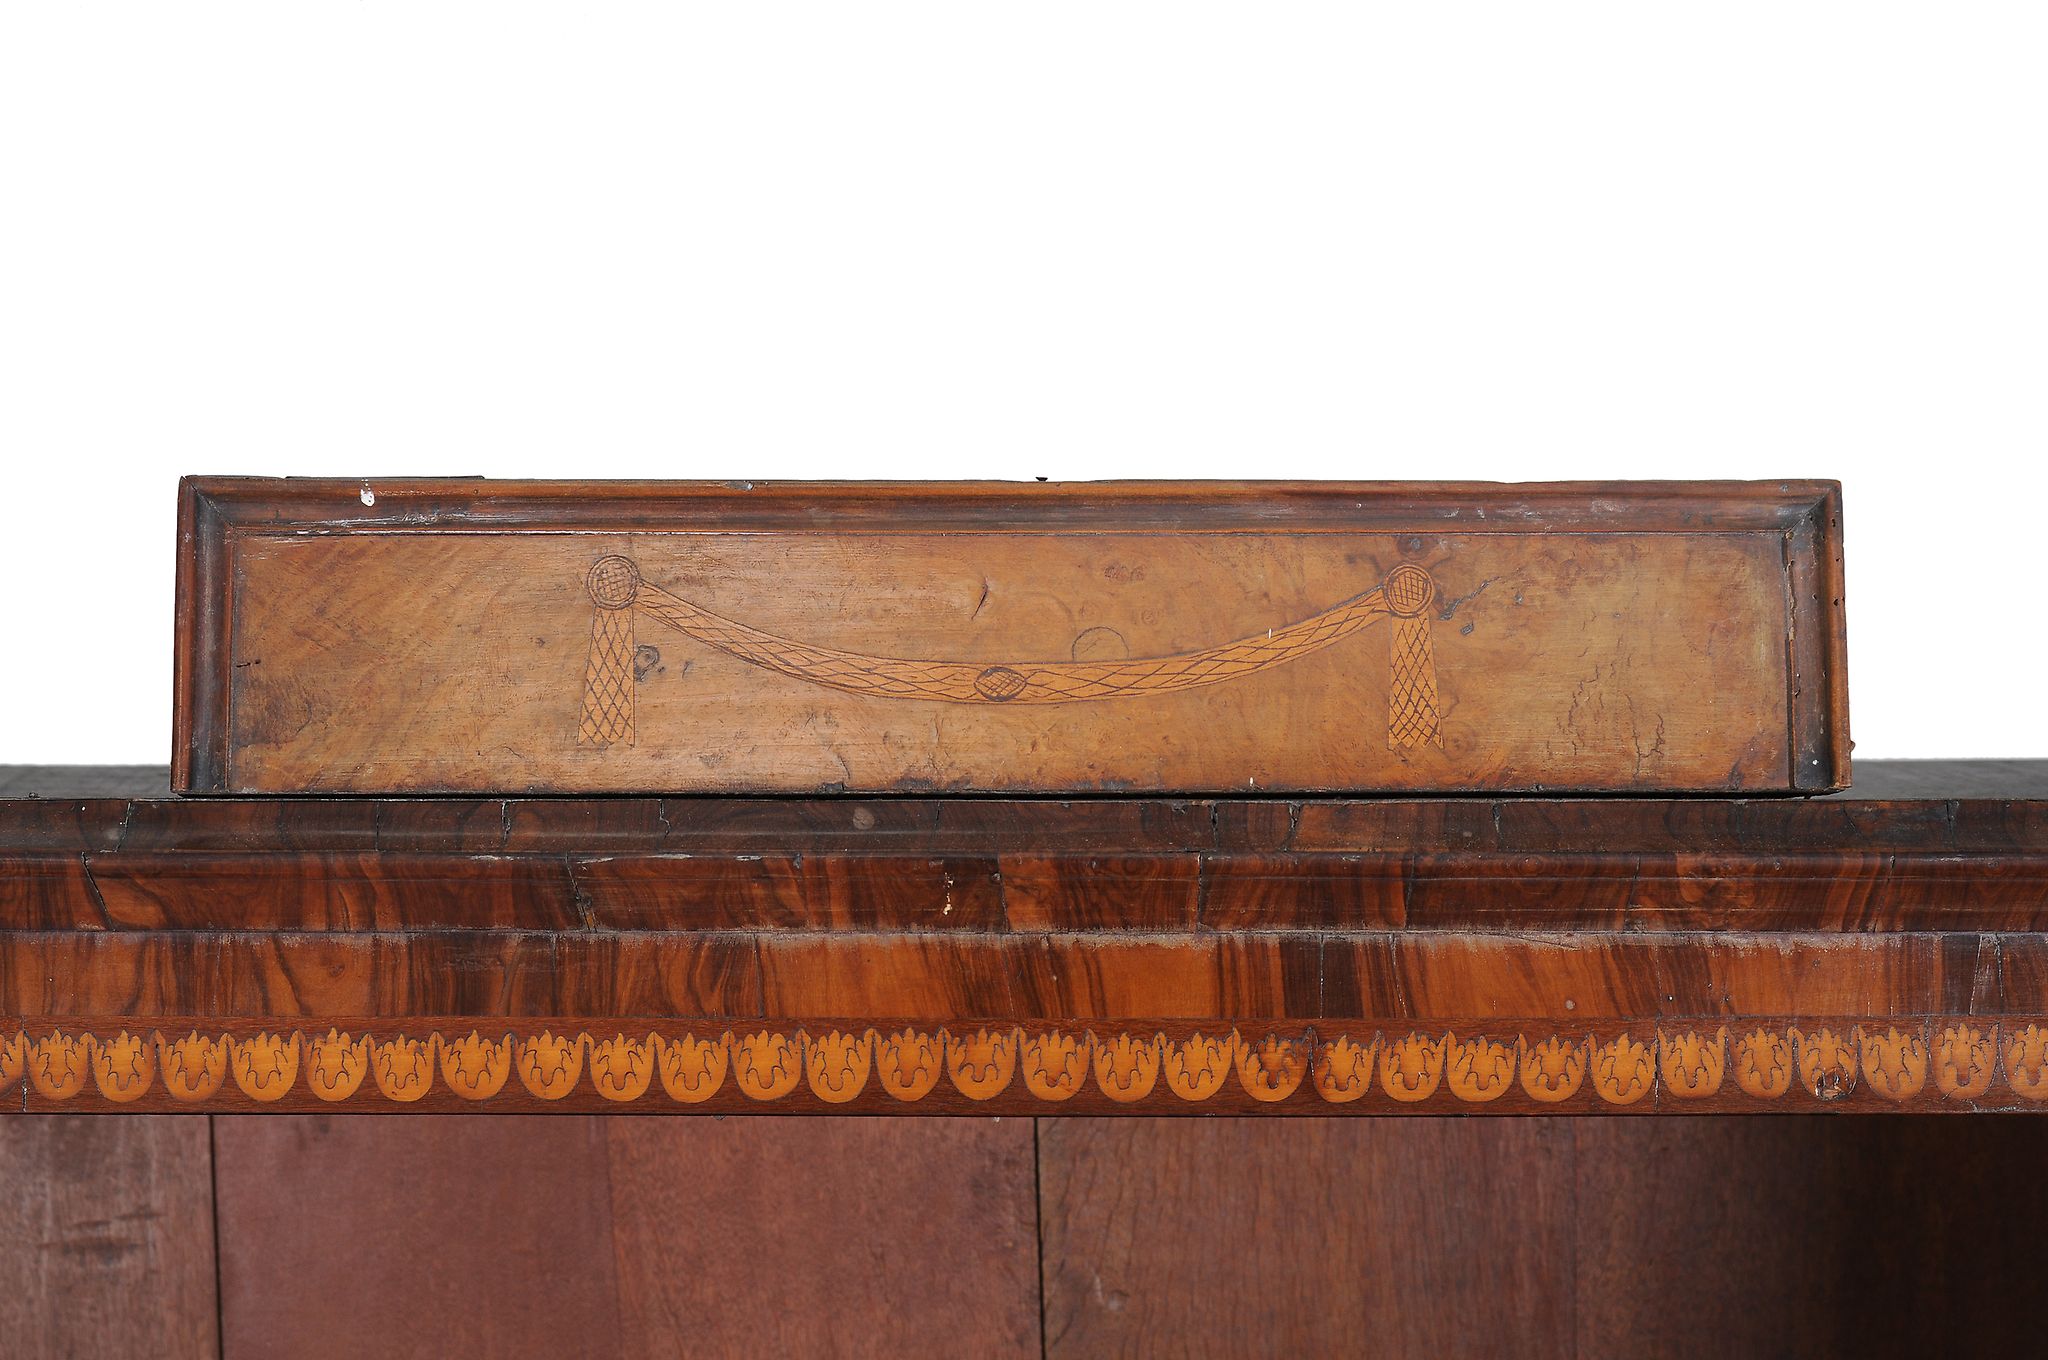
1896 806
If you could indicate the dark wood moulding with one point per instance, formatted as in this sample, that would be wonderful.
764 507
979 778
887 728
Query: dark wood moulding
1885 949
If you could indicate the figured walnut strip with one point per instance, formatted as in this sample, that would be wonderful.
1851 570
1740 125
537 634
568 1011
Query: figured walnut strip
1956 1061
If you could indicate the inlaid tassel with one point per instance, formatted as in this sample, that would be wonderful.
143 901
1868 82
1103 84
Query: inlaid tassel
608 679
1413 716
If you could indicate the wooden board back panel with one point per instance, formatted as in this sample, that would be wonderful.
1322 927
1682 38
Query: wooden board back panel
473 636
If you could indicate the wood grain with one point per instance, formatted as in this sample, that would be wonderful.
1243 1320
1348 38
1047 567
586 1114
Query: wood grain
587 637
106 1238
1230 1237
415 1236
1012 956
1800 1237
507 1237
1601 1239
1423 978
1885 780
825 1237
546 1237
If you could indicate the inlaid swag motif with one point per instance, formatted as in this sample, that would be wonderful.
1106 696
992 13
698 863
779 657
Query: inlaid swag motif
1959 1060
619 592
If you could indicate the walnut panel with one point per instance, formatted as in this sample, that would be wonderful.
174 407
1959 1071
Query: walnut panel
1229 1238
106 1238
1808 1234
834 1236
549 1237
415 1236
579 637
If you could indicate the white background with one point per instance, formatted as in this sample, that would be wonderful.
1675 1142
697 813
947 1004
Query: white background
1058 240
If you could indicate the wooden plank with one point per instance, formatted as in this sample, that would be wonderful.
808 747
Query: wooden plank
970 866
1963 809
1431 978
570 1236
186 890
1603 1239
415 1236
106 1238
826 1237
1229 1237
726 889
1721 1237
934 956
780 891
409 637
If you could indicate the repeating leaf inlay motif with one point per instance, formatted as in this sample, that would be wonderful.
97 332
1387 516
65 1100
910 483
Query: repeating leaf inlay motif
1959 1060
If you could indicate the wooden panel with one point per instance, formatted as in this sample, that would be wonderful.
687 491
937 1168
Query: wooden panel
417 1236
1806 1237
935 956
724 888
1100 892
1425 977
1228 1237
817 892
1941 822
826 1237
183 890
585 637
1603 1239
106 1238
